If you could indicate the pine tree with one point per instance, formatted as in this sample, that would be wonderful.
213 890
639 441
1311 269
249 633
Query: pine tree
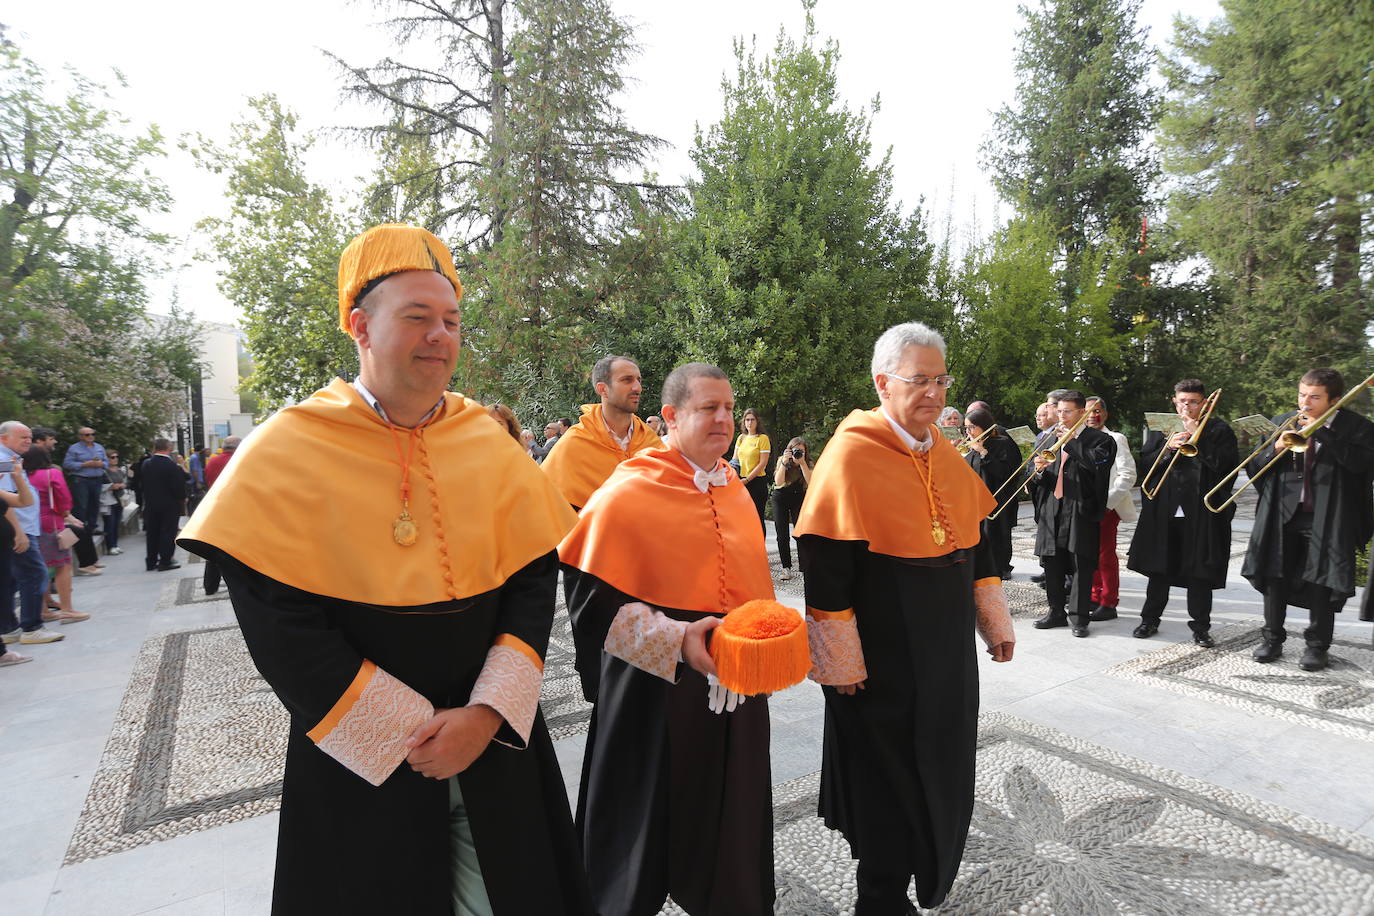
793 259
1268 135
533 167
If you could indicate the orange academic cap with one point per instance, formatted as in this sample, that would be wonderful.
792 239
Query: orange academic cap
387 249
761 647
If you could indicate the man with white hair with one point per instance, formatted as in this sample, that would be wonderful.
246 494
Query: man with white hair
897 581
29 572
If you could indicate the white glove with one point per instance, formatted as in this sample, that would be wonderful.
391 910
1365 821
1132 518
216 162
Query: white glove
721 698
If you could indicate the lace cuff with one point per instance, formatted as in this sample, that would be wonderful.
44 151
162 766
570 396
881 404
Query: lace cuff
367 728
648 639
994 619
837 656
509 683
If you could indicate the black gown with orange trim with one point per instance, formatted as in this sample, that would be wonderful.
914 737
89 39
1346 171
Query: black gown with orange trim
324 595
347 847
897 771
674 799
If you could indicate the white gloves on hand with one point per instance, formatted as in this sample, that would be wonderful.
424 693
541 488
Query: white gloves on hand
721 698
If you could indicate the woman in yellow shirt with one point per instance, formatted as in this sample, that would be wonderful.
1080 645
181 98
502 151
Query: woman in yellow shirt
751 451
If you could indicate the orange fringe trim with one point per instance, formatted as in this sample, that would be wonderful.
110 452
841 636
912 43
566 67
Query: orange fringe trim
761 647
386 249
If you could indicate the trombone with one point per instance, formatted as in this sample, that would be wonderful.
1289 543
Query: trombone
1187 449
1048 454
966 445
1292 440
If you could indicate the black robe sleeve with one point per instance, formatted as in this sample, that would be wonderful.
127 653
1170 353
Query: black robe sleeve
592 606
829 568
307 661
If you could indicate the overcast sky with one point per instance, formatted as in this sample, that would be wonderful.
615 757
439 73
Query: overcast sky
940 69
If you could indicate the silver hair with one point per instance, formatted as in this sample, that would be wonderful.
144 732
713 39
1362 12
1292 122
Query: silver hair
10 426
888 351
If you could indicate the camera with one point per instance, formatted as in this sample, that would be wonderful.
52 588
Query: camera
797 453
6 465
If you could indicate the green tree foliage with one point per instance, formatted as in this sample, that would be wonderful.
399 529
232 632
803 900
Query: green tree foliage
793 259
525 164
1270 136
1011 338
279 247
1074 144
1074 149
75 347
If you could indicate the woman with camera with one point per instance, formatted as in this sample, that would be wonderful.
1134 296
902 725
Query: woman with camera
789 488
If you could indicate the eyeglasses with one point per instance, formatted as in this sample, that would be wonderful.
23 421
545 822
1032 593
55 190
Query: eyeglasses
924 381
87 435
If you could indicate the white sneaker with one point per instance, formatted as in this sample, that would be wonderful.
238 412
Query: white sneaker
14 658
40 635
785 574
12 636
116 551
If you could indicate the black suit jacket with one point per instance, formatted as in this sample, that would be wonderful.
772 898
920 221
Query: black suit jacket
163 484
1087 463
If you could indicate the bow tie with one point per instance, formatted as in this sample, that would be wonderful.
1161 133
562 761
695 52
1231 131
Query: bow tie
704 479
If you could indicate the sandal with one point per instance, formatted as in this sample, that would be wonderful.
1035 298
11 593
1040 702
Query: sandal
72 616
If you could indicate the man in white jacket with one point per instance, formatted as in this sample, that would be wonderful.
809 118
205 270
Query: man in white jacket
1107 578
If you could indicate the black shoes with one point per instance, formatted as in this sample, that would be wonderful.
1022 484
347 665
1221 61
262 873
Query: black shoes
1051 620
1102 612
1268 651
1204 640
163 567
1145 630
1314 659
1080 632
1038 579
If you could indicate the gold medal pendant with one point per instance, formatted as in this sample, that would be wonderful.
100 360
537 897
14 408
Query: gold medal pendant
404 530
937 533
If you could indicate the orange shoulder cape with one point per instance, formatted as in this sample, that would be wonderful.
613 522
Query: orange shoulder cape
867 486
586 455
310 499
650 533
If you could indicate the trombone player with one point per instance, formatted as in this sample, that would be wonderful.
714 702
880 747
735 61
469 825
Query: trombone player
993 456
1314 512
1177 541
1071 491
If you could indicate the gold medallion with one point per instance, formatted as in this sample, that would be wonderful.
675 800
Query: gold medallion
937 533
404 530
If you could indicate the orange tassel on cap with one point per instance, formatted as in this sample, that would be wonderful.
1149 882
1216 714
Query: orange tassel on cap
761 647
387 249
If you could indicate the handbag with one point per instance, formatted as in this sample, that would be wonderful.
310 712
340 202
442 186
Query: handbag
66 537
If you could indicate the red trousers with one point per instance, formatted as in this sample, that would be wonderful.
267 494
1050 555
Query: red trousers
1107 579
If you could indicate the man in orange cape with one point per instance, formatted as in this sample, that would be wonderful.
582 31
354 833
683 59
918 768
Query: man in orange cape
675 797
389 552
606 434
897 580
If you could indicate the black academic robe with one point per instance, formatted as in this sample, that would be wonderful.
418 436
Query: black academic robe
1342 517
995 468
1205 550
674 799
897 771
345 846
1074 522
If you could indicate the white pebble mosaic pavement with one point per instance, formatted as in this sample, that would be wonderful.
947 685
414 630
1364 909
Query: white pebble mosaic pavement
1339 699
199 741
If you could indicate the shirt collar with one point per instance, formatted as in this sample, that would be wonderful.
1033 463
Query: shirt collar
629 434
377 405
907 438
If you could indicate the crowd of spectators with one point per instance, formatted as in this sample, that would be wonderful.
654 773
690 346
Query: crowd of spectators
55 515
